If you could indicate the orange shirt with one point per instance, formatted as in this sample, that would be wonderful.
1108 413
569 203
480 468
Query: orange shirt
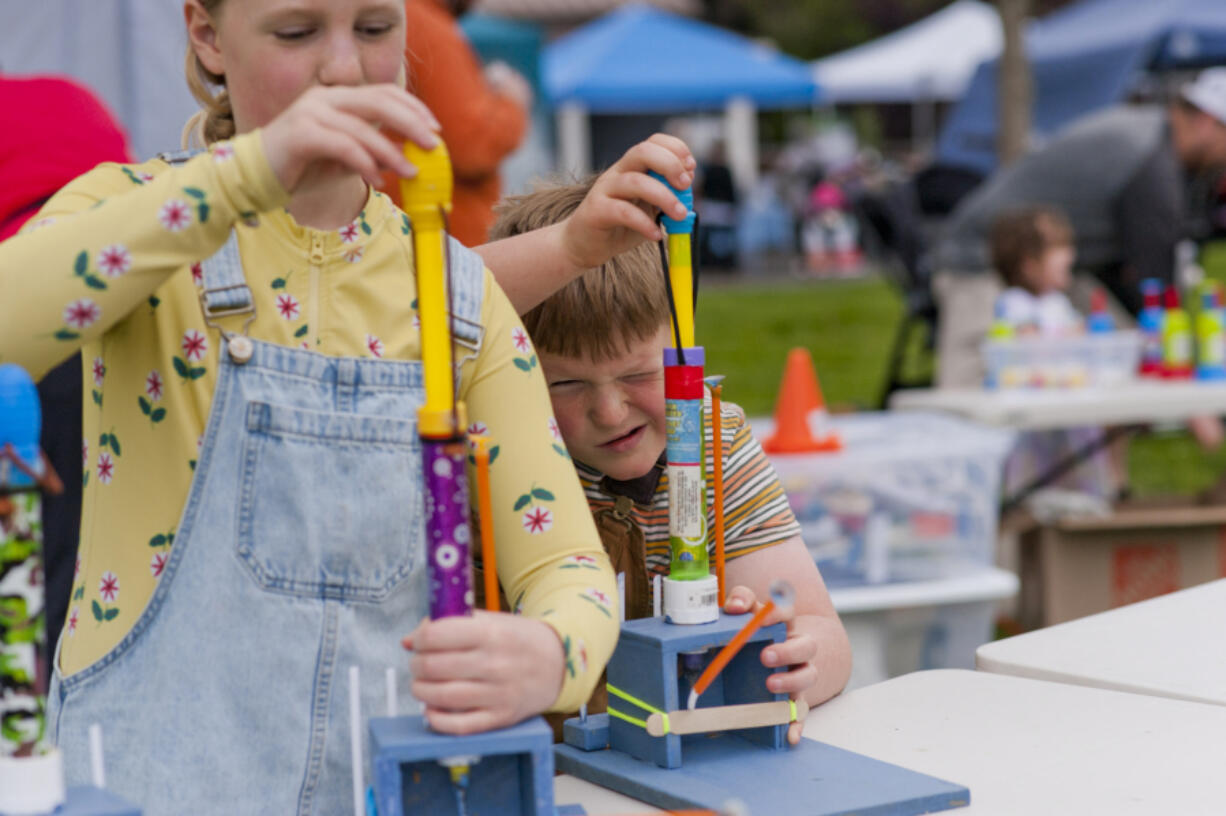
480 126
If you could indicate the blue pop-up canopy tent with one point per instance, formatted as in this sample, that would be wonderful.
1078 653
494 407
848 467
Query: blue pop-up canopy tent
1084 57
640 60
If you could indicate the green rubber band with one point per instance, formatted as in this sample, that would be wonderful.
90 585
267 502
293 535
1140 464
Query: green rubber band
613 712
793 704
630 698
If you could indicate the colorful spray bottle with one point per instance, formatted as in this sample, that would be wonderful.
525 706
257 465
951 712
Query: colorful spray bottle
31 774
690 590
1150 323
1176 338
1210 337
1100 320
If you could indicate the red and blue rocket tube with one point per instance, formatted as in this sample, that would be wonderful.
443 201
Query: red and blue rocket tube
690 591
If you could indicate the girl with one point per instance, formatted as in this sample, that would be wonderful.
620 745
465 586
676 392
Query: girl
251 521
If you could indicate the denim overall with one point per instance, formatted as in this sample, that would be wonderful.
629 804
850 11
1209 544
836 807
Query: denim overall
298 555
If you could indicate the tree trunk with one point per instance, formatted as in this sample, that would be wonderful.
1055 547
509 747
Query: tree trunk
1015 89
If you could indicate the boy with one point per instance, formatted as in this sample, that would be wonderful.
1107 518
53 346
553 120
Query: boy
600 341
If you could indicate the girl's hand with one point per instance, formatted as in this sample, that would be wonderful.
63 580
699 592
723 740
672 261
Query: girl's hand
619 212
329 126
486 671
797 652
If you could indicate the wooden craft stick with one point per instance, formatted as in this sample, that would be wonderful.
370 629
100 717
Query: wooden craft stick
726 718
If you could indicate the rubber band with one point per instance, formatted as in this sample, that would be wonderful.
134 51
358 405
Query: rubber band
792 703
630 698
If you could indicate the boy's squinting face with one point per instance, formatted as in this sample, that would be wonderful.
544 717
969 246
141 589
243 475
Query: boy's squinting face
611 413
270 51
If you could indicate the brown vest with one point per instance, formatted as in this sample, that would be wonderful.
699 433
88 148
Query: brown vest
627 550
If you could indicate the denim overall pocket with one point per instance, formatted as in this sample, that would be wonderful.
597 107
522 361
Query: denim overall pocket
357 530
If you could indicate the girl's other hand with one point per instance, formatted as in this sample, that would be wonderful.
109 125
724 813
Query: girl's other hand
487 671
619 211
340 125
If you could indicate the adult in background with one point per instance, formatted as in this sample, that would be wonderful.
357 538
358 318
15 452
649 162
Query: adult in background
483 112
60 130
1122 176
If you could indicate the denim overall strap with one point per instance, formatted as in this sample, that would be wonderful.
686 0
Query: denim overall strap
299 553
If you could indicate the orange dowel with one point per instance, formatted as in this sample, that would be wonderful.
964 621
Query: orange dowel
729 651
717 455
486 509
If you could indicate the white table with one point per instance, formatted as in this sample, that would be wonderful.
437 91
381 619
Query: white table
1028 747
1140 402
1170 646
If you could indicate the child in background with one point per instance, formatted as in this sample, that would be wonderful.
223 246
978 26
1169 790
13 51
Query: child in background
1032 250
601 340
253 492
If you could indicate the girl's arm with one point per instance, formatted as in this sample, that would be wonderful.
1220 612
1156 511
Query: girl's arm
103 244
491 670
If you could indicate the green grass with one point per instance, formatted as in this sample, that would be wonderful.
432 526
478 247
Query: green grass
848 326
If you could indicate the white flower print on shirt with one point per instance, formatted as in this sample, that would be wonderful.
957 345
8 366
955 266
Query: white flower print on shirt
114 260
374 345
195 345
222 151
106 468
108 586
82 313
349 232
99 371
520 338
153 385
288 306
175 215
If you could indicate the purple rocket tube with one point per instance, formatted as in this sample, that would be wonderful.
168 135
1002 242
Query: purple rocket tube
448 536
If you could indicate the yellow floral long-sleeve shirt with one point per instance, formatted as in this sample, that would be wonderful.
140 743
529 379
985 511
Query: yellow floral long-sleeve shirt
109 267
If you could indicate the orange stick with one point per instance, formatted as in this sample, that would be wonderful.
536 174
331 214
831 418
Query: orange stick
729 651
486 509
717 453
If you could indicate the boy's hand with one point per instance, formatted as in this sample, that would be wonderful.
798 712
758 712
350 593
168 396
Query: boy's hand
483 672
797 652
619 212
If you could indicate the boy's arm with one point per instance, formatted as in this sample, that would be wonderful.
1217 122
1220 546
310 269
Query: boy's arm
615 216
829 653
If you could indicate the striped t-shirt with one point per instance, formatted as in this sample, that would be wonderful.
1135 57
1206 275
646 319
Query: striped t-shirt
756 510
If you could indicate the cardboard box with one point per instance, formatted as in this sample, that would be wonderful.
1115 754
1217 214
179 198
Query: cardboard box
1080 566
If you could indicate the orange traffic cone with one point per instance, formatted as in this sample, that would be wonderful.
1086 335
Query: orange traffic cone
800 403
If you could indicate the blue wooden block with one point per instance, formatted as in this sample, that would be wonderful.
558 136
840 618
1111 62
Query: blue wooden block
85 800
589 735
645 665
810 779
514 776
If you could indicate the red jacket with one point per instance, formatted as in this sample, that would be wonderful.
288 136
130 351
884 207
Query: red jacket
59 131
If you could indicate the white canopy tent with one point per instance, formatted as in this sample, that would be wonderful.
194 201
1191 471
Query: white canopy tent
930 60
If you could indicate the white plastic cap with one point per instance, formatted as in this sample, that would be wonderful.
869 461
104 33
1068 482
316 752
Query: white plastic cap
1208 92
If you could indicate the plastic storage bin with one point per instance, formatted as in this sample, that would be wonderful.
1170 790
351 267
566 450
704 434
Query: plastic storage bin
1106 358
900 628
912 496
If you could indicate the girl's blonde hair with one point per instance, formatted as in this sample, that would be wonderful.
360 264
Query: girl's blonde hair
215 121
